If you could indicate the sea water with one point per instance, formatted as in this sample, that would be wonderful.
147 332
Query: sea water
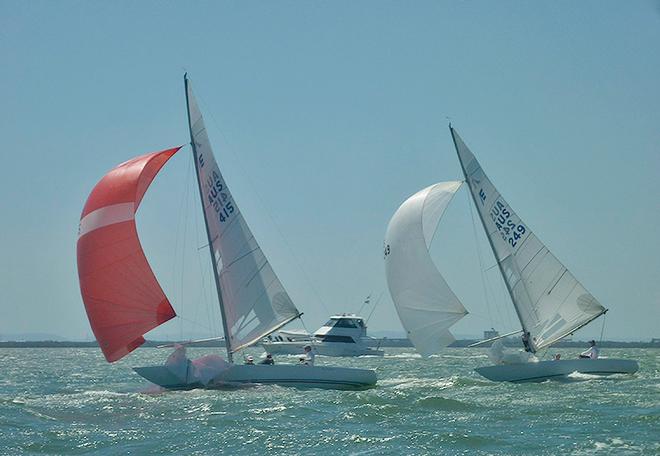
70 401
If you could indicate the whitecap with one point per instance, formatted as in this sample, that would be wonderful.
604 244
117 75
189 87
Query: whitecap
403 355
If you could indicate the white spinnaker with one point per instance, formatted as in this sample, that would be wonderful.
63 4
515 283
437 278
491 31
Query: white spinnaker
549 300
426 305
254 301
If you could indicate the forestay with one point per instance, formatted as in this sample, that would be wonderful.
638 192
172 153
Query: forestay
549 300
427 307
253 300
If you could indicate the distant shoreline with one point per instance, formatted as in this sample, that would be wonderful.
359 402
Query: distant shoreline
386 342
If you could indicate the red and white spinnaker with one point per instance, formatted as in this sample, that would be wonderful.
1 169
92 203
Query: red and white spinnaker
122 297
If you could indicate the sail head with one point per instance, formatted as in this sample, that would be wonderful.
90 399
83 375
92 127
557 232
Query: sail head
427 307
550 302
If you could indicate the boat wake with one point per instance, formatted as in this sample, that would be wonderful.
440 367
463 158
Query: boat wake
403 355
584 377
403 383
480 356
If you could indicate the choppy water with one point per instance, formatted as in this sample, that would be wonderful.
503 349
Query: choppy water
70 401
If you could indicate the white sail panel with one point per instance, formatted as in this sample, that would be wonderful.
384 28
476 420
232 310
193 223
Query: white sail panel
427 307
253 299
549 300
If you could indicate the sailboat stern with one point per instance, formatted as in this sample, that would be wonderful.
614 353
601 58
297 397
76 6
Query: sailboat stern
166 378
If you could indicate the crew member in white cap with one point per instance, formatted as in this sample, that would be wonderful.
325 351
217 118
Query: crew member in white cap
592 353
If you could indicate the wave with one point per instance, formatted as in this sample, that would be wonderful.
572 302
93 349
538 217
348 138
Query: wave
443 403
481 356
403 355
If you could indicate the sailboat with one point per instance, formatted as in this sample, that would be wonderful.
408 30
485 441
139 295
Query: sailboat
550 302
124 300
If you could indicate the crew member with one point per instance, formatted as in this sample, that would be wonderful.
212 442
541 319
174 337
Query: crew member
592 352
268 360
525 341
307 357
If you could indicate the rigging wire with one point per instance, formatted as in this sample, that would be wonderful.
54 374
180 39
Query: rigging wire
205 273
176 278
194 323
602 328
374 307
203 294
180 251
185 198
265 207
303 323
505 298
366 301
481 263
488 287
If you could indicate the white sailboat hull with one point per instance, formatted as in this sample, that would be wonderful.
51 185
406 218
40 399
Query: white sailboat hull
545 370
301 376
321 348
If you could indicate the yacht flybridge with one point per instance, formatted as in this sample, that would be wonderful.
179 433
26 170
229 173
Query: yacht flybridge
342 335
124 300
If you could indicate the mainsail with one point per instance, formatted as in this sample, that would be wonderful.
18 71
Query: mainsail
253 301
427 307
549 300
122 298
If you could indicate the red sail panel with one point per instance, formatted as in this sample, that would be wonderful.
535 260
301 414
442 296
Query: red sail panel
122 297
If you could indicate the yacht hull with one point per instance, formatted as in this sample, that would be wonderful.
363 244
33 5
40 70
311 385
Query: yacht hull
546 370
301 376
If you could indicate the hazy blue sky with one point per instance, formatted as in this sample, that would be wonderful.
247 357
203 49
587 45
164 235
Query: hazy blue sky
325 116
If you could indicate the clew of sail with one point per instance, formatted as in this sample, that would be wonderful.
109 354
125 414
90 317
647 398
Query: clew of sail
549 300
122 297
427 307
253 301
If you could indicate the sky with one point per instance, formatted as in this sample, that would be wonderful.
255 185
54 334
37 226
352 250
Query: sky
325 117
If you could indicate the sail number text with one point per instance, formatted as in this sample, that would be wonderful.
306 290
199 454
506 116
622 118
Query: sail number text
510 231
218 198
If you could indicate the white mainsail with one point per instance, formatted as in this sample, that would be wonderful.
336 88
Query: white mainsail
427 307
252 299
549 300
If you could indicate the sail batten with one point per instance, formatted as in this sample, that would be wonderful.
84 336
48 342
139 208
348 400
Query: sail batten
252 299
550 302
427 307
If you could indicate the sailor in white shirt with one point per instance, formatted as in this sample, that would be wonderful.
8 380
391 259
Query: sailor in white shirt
592 353
308 357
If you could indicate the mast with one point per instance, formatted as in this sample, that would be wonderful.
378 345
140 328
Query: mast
230 355
490 242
